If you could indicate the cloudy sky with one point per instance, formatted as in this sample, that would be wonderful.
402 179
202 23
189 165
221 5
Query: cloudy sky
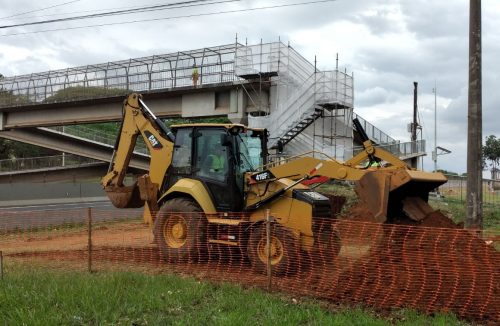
388 44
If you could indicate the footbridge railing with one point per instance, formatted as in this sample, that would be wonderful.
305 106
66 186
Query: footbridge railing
157 72
44 162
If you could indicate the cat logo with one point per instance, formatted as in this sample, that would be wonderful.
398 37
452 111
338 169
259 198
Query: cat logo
155 143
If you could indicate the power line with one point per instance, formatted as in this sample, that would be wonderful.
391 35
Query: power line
31 11
83 12
174 5
172 17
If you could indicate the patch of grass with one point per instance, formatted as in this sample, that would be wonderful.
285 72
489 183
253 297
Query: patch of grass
8 98
457 210
340 189
39 297
453 208
110 128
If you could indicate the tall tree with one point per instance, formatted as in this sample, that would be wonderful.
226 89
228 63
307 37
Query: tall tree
491 151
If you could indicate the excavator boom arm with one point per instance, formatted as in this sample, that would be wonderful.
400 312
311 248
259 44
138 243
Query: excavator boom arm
138 120
374 186
310 167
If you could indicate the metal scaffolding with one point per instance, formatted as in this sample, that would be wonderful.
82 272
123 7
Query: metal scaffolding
157 72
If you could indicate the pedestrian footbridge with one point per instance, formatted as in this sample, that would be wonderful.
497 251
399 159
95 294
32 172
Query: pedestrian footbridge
264 85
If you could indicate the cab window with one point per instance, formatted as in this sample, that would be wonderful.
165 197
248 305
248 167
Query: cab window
212 158
181 160
250 150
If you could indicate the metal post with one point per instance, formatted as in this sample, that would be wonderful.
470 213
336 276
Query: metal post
315 93
461 191
314 139
434 156
260 78
418 149
89 241
268 247
474 219
278 83
1 265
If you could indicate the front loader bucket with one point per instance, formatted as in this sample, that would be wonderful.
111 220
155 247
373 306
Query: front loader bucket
395 194
373 191
125 196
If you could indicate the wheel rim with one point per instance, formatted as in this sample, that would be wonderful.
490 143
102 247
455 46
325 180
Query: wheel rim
175 231
277 250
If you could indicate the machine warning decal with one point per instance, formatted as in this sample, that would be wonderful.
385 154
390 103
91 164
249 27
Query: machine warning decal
155 143
262 176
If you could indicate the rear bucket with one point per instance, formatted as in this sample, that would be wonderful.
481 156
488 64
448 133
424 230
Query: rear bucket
125 196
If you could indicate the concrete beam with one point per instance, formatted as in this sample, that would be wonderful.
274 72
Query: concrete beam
189 103
70 144
82 112
58 174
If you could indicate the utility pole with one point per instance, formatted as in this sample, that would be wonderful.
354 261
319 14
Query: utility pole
415 108
474 219
414 124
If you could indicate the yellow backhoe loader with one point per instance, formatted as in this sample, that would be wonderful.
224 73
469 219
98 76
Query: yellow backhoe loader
215 170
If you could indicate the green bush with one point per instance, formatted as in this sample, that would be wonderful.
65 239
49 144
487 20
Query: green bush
81 92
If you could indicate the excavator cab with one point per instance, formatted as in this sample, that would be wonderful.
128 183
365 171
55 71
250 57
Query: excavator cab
218 156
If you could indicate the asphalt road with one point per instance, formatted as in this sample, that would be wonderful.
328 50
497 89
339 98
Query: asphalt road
60 206
25 217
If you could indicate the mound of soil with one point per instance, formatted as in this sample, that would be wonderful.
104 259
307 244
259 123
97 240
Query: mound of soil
360 213
430 265
436 219
430 270
439 220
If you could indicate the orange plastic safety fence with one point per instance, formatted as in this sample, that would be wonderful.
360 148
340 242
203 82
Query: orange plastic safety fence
350 262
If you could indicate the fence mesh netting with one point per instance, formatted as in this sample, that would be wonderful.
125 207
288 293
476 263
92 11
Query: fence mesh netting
350 262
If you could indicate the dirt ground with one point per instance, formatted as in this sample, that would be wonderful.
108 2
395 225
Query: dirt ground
128 234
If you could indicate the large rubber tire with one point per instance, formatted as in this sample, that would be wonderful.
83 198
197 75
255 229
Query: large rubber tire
180 230
327 242
284 250
326 247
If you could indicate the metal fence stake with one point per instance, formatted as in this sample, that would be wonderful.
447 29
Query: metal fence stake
268 251
89 228
1 265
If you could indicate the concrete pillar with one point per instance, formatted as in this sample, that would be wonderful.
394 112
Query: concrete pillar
2 120
237 106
